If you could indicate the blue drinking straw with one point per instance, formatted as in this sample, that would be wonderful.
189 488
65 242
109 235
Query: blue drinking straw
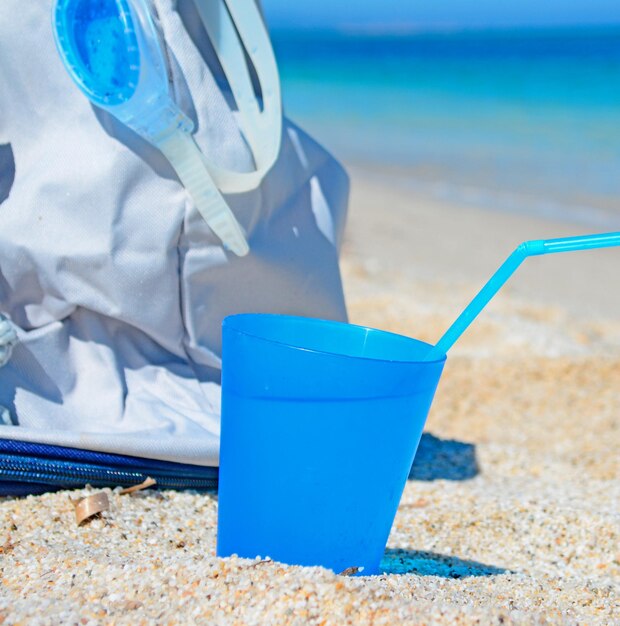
496 282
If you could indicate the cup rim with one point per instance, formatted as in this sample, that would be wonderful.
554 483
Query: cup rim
229 321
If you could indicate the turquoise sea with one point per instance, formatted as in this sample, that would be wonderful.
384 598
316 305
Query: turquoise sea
519 120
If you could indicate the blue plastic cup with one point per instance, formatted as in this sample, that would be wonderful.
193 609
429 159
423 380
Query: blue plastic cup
320 424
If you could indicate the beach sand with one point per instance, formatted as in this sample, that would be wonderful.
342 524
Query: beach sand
512 513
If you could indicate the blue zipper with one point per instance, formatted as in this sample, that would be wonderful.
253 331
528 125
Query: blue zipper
30 468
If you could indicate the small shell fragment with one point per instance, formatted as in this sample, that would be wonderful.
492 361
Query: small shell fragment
88 507
149 482
350 571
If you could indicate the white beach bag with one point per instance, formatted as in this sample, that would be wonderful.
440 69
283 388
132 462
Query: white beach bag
114 284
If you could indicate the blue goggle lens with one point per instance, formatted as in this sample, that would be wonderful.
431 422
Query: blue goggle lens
100 47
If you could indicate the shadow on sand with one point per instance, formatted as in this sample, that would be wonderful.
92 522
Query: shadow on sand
445 459
432 564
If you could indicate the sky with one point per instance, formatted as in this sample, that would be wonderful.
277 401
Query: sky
431 14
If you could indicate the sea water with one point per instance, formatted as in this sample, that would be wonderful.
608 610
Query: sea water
520 120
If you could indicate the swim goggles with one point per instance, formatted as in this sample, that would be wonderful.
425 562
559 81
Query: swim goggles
113 51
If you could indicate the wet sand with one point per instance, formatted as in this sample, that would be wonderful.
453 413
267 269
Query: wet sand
512 511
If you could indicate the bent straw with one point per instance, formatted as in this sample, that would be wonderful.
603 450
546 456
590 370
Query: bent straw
496 282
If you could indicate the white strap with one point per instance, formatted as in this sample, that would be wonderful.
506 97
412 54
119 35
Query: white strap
250 25
185 156
221 31
223 19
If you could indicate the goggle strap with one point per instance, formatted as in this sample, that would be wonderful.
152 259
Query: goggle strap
263 130
221 31
185 156
250 25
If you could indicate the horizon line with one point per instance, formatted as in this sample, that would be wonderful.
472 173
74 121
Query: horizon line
406 29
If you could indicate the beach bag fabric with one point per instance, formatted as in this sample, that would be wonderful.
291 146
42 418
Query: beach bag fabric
115 284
